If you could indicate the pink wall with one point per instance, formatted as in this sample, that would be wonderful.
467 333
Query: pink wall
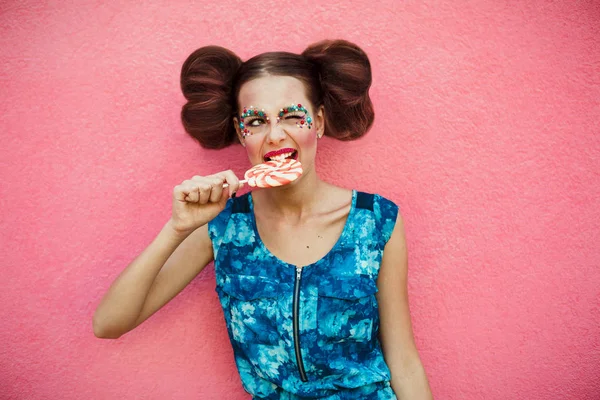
487 135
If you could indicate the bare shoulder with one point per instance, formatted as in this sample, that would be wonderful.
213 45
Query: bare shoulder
336 198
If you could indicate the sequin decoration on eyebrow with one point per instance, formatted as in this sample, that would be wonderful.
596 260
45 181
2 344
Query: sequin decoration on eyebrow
250 112
306 120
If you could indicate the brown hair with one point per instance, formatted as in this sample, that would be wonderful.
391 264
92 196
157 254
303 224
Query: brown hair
336 74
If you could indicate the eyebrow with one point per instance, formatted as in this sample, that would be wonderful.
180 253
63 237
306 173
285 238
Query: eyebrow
252 111
294 107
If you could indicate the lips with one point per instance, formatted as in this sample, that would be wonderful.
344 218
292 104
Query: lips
281 154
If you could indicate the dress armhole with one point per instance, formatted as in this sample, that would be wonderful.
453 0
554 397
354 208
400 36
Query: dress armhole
218 226
386 214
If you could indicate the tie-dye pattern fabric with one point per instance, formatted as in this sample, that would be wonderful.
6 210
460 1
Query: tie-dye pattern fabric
336 348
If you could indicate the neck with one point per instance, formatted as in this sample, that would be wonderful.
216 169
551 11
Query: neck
291 201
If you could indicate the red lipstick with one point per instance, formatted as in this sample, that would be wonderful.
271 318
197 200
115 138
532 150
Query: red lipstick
280 151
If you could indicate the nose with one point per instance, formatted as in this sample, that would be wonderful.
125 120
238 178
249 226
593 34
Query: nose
276 134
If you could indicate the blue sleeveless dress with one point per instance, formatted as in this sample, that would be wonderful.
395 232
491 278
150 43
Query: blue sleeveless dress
308 332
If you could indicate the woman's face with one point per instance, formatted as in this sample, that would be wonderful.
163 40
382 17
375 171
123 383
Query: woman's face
276 120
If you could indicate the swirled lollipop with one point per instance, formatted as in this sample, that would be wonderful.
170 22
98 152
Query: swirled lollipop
272 173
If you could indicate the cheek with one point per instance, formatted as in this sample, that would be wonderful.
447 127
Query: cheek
307 139
253 150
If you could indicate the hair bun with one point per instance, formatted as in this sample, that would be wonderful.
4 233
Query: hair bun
206 82
345 75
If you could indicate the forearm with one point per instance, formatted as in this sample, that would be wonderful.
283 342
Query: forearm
411 382
120 307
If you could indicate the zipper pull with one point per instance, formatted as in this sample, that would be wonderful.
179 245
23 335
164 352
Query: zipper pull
298 272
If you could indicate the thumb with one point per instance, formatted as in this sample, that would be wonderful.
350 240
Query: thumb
225 197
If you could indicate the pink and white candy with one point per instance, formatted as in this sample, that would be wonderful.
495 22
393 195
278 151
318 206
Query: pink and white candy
273 173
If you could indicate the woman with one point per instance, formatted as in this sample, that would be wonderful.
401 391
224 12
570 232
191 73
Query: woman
311 276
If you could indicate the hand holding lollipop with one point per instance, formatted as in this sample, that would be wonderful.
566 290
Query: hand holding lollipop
200 199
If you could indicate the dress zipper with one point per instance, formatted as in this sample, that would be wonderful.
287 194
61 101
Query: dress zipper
296 325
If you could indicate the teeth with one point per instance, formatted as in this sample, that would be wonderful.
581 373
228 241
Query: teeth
281 157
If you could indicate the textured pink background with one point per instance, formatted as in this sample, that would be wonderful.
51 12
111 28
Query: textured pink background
487 134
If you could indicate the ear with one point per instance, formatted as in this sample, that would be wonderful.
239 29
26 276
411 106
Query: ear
320 121
236 124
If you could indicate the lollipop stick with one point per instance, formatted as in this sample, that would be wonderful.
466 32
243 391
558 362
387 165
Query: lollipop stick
227 184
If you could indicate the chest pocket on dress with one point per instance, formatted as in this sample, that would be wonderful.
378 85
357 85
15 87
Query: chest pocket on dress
347 308
254 308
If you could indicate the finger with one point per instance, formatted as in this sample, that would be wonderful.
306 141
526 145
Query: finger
193 194
204 192
179 193
232 180
196 181
182 190
217 189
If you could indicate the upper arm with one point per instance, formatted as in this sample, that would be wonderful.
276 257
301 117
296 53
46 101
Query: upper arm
186 262
395 324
